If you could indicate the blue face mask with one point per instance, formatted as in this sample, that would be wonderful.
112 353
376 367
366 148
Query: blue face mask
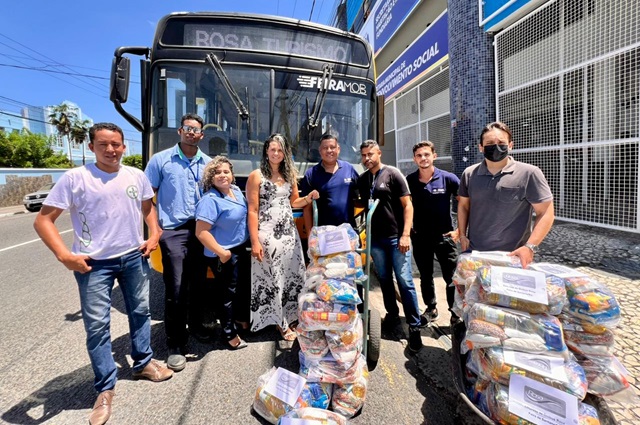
495 153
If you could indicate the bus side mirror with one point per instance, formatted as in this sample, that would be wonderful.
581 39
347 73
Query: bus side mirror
380 123
120 71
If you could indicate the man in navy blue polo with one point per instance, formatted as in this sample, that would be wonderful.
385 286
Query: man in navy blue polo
335 180
432 234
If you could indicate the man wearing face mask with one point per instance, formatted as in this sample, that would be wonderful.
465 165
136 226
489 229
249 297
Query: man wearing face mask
498 197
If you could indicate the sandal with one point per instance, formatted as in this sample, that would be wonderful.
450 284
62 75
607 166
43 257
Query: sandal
288 335
239 345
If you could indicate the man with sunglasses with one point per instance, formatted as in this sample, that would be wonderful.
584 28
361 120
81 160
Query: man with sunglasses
175 175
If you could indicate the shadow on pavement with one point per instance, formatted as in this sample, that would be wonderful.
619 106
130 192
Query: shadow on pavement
442 404
72 391
439 397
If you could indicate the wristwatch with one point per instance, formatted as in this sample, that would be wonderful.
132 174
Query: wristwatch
532 247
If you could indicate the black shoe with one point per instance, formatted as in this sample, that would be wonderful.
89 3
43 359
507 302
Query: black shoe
390 322
454 319
176 360
201 335
415 340
431 314
424 322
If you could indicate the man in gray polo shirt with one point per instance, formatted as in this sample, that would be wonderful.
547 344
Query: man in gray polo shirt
498 197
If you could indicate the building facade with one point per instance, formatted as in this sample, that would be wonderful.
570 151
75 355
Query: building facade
563 74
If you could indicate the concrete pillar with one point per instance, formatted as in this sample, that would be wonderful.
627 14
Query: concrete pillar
472 82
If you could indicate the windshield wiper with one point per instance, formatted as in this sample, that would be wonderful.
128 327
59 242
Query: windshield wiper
314 116
243 112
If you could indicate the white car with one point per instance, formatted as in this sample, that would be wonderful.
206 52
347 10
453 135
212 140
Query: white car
33 201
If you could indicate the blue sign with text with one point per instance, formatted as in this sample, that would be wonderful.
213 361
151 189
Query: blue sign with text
388 17
424 52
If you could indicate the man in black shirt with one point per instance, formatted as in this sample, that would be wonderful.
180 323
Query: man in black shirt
390 239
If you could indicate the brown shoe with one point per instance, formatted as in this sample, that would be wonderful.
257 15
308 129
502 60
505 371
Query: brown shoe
154 371
102 408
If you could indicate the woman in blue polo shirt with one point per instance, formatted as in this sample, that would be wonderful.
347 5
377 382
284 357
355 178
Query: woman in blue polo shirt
221 226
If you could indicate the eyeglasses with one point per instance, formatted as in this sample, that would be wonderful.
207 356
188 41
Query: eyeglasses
188 129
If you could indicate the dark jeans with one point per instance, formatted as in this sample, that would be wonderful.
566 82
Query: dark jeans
424 251
184 274
232 282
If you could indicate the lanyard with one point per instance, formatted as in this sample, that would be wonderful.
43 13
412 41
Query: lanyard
373 183
196 177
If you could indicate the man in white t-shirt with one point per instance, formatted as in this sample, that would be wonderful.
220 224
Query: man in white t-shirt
107 202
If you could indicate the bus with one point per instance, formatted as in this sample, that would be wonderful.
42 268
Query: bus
249 76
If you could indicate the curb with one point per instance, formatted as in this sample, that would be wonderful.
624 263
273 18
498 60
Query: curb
12 213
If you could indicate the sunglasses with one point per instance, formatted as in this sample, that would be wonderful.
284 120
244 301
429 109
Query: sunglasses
189 129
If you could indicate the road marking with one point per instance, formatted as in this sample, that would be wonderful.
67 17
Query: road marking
28 242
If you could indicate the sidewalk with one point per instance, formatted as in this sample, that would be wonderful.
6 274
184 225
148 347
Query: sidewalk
613 258
16 209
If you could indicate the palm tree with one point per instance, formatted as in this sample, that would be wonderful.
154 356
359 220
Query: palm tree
79 132
61 118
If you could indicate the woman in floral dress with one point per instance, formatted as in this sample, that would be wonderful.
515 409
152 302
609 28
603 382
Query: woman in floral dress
277 265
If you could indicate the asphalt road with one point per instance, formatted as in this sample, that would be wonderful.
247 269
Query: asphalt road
46 377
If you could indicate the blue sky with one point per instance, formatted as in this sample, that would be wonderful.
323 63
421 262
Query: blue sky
79 37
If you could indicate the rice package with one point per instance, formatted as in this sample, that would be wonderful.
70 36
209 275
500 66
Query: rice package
497 364
312 343
468 264
592 301
466 272
313 416
313 271
588 299
338 291
520 331
345 346
327 240
316 314
497 401
352 260
519 289
585 338
349 398
269 406
328 370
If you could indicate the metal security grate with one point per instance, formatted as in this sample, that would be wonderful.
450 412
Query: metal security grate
423 114
389 123
568 84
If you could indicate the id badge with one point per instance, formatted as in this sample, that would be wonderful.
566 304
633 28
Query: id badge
370 203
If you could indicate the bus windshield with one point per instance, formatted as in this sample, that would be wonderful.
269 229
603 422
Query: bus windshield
276 101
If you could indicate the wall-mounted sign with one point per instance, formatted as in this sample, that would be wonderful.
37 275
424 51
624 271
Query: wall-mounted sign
498 14
385 18
428 50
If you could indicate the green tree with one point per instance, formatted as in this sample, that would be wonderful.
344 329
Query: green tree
27 150
62 117
6 150
80 133
133 161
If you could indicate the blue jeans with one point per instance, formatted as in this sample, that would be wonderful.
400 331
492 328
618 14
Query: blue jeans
387 258
95 287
